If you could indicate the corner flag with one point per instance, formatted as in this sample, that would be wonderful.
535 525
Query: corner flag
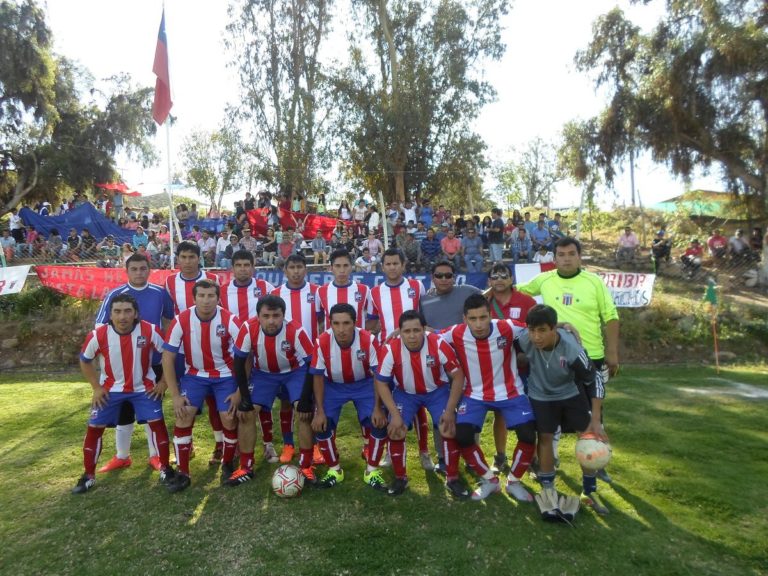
162 103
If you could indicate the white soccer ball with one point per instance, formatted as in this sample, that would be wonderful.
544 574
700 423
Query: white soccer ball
592 453
287 481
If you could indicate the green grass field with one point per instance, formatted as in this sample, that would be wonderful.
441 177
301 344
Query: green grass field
689 497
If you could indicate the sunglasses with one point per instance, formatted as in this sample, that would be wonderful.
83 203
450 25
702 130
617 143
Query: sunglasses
499 277
443 275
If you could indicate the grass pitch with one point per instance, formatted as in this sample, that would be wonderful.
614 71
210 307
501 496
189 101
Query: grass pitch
689 497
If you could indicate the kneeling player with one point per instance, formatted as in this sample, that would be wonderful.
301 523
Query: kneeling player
487 356
560 373
281 353
418 364
125 348
206 333
342 363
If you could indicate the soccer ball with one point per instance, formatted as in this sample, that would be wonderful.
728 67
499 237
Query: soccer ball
592 453
287 481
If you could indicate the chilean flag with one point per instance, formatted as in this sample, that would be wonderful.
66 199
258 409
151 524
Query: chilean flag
162 104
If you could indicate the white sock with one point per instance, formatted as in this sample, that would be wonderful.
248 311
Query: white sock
218 435
150 444
123 435
556 440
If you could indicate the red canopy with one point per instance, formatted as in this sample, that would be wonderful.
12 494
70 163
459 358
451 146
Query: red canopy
118 187
312 222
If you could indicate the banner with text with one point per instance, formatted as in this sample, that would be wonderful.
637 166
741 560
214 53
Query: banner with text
629 289
12 279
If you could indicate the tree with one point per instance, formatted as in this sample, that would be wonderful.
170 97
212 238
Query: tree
408 111
693 92
276 45
56 129
213 161
531 178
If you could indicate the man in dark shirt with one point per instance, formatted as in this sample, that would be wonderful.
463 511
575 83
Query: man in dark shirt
496 236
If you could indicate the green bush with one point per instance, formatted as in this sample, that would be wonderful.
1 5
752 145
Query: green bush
35 301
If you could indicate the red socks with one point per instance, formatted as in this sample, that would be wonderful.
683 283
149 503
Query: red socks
182 439
328 449
160 440
265 419
230 445
305 457
92 449
521 458
422 429
397 452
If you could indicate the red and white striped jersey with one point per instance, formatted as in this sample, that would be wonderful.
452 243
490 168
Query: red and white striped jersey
126 359
355 294
180 289
387 303
344 365
300 306
284 352
490 364
241 300
417 372
207 346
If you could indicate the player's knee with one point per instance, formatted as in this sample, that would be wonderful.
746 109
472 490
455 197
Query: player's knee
229 422
526 433
248 418
465 435
398 434
330 426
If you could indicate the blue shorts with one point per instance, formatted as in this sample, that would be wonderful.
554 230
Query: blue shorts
408 404
360 393
146 408
196 389
265 386
516 411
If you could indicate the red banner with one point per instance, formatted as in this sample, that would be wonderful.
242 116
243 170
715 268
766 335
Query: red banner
311 222
95 283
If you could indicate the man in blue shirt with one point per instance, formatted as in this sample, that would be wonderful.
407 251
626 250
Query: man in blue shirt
540 236
426 214
430 250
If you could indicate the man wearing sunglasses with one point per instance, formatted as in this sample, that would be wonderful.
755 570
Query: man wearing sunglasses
443 305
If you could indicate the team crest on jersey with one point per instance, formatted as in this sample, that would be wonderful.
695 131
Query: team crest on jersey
285 346
430 360
462 409
361 355
310 298
257 292
411 293
141 342
563 362
501 342
220 331
358 297
567 299
514 313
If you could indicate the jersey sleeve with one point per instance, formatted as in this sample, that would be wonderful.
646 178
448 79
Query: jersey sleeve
318 360
90 347
173 340
243 341
102 316
587 375
448 358
607 307
373 354
532 287
168 311
303 344
373 311
385 364
157 339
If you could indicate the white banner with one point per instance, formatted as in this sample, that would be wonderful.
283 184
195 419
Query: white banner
12 279
629 289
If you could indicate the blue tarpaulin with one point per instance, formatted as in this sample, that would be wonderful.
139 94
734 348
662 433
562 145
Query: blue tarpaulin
85 216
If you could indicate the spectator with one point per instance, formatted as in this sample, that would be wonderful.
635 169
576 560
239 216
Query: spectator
8 244
366 262
517 218
374 220
359 211
72 246
87 245
28 243
522 250
164 236
248 242
16 226
543 256
54 246
139 239
756 241
691 258
426 216
528 224
37 241
193 214
232 247
556 227
154 246
348 244
451 248
285 249
440 215
296 202
717 245
207 248
628 245
319 248
269 248
430 250
109 252
125 253
154 225
374 245
485 227
540 236
412 251
221 247
409 212
421 232
249 203
660 249
322 208
461 223
400 238
472 248
45 209
344 211
738 247
496 236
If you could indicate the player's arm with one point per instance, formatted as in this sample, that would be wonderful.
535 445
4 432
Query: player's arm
319 422
100 395
612 346
588 377
448 418
180 403
241 377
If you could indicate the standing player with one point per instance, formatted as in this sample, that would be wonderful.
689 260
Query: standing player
240 296
505 303
342 290
343 361
581 298
180 287
155 305
486 353
419 365
124 346
281 353
387 303
301 306
206 333
565 390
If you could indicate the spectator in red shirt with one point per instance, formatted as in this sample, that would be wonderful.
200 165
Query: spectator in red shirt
717 245
451 247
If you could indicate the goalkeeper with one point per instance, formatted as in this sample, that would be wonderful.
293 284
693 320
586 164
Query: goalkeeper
565 390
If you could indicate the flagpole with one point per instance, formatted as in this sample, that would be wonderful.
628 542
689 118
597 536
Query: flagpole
171 214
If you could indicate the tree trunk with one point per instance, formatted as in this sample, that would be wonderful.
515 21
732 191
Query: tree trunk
21 190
